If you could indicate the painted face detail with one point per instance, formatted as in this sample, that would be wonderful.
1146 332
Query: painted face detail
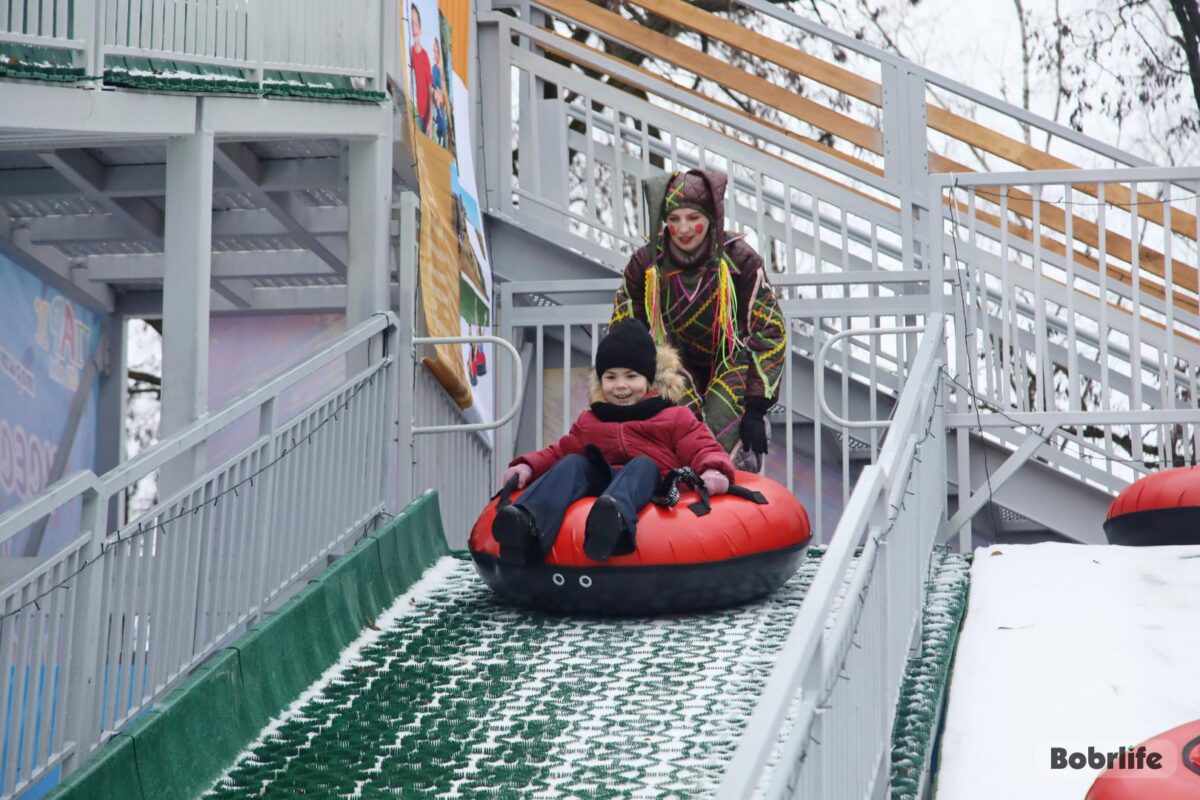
687 228
623 387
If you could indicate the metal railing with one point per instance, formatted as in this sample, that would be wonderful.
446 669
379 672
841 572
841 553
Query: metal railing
583 146
557 325
328 37
823 723
1078 317
103 628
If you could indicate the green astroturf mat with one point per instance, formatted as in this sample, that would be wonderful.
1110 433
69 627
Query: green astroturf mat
928 673
450 694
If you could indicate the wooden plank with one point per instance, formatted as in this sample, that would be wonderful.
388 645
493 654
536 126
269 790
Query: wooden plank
1053 217
653 78
1021 203
1119 274
1016 151
939 119
737 111
777 52
668 49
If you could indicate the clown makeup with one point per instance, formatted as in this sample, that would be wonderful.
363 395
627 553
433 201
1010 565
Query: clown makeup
687 227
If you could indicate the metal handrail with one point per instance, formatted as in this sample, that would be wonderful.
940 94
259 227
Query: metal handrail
477 426
820 372
803 657
83 565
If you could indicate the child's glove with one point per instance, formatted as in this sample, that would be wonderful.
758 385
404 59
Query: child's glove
715 481
523 473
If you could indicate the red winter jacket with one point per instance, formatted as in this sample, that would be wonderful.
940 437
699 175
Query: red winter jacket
669 434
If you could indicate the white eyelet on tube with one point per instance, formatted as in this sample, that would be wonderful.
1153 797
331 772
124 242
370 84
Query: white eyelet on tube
585 581
558 579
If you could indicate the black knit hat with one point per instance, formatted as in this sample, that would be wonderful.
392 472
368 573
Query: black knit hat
628 345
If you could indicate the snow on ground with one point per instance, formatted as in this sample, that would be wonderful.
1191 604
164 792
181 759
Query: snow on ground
1069 646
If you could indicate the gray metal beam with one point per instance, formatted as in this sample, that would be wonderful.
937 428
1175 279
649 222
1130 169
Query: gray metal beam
236 160
83 228
149 180
238 298
520 254
51 266
264 300
228 266
186 296
368 280
1057 502
87 175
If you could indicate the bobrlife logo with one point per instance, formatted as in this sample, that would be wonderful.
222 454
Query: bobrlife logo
1123 758
1154 759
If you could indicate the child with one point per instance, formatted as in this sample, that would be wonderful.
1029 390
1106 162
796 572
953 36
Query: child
634 424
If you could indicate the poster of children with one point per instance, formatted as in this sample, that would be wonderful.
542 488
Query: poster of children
429 56
455 273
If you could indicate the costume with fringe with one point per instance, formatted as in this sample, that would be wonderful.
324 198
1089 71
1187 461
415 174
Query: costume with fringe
715 307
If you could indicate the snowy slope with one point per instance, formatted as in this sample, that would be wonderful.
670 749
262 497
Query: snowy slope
1067 646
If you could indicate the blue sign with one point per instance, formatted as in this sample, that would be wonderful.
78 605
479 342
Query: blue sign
45 342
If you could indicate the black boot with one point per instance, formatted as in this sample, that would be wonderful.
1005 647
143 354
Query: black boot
517 532
605 530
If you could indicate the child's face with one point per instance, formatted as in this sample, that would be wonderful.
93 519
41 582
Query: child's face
623 387
687 227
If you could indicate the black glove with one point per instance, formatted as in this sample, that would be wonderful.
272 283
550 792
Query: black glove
753 427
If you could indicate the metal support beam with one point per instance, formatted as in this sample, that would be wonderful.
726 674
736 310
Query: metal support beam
185 294
227 266
88 175
406 268
51 266
369 278
237 161
42 107
322 222
976 501
149 180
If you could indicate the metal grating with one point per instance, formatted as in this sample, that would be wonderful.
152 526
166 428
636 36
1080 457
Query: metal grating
49 207
314 148
139 154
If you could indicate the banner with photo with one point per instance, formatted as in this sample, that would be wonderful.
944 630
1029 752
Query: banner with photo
455 272
48 395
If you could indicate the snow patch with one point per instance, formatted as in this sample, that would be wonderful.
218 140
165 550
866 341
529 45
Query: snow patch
1067 645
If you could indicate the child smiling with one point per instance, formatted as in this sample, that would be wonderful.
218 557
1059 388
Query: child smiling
616 451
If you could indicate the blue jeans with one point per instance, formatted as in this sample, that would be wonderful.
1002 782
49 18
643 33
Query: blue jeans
576 476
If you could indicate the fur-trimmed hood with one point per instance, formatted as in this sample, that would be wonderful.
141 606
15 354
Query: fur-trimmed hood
669 382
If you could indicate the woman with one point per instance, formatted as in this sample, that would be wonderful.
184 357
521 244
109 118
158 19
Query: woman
706 294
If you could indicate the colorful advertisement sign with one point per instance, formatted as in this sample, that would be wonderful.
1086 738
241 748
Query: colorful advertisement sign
455 273
46 342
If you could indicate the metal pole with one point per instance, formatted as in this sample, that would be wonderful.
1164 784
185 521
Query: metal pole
368 276
187 277
401 381
83 704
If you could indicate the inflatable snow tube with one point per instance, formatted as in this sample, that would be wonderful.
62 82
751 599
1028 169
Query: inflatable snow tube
1160 509
737 552
1177 776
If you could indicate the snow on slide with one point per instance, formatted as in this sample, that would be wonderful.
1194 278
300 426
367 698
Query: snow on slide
1067 646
